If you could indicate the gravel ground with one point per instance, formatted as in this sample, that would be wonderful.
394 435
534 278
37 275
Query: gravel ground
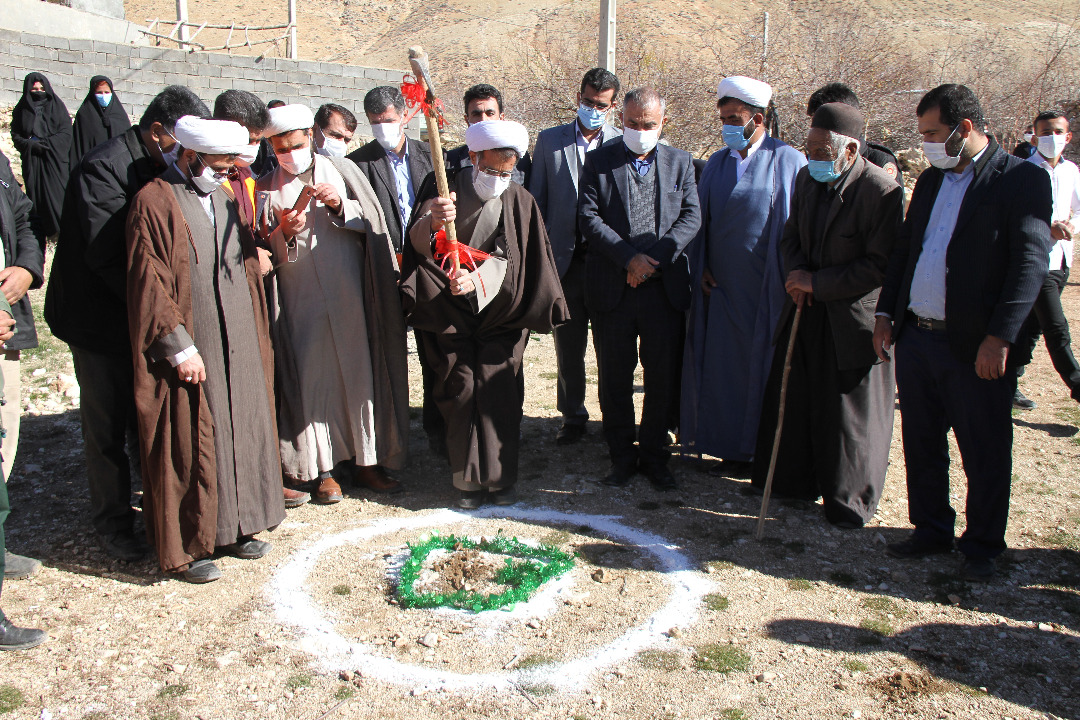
811 622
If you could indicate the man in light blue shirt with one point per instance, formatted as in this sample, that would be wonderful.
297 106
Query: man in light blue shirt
927 299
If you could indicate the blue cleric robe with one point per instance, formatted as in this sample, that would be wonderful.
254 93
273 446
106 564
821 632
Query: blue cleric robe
729 335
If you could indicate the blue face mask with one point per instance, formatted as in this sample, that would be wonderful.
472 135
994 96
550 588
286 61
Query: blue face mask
735 137
824 171
590 118
103 99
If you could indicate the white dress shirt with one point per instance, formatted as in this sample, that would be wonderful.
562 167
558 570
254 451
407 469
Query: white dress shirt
584 145
741 163
1065 181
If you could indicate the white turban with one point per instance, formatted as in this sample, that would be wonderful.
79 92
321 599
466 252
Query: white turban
214 137
493 134
288 118
750 91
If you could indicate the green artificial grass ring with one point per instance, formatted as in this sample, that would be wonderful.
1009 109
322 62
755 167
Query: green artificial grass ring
526 569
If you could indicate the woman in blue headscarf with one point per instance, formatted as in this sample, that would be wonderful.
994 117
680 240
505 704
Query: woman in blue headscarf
100 117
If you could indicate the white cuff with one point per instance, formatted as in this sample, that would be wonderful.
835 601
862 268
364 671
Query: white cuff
883 314
182 355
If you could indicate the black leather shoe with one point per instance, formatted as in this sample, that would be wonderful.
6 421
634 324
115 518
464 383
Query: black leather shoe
201 572
617 477
917 547
505 496
17 638
1022 402
569 434
247 548
17 567
735 469
978 569
125 545
471 499
661 479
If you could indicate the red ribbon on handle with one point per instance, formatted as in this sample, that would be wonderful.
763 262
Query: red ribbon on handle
467 256
416 100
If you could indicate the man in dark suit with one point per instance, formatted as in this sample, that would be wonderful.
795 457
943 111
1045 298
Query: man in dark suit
558 157
395 165
638 209
968 264
86 303
835 248
484 102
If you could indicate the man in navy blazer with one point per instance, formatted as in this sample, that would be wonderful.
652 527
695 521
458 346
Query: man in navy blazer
557 161
967 266
638 210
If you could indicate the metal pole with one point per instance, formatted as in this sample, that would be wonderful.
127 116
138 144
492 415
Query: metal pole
293 53
607 35
765 45
181 17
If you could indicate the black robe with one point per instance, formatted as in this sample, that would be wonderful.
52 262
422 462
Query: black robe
41 131
476 355
95 124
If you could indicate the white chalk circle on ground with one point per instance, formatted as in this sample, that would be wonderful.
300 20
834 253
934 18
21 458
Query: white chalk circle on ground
317 636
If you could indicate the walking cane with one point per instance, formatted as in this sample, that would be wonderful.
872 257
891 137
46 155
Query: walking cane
779 421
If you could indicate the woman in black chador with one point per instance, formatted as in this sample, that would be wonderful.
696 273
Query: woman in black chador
41 130
100 117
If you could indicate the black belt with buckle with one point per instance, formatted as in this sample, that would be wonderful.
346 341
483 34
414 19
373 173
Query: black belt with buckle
926 323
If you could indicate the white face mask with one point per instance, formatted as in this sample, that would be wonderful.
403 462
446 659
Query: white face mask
640 142
249 155
1028 136
1051 146
295 162
939 157
388 135
170 157
332 147
488 187
208 180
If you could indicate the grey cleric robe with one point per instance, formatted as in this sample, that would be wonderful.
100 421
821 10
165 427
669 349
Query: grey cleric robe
194 280
839 413
729 332
338 326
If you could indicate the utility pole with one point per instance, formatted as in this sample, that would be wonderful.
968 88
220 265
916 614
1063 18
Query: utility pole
765 45
607 35
181 17
293 53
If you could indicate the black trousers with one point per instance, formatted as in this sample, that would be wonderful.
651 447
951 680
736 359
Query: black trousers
571 342
432 419
1048 318
107 407
837 425
5 510
644 324
938 391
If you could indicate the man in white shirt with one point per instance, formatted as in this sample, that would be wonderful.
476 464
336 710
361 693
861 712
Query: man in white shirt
558 158
1053 136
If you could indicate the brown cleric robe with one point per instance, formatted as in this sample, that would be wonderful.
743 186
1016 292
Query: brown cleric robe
476 342
209 451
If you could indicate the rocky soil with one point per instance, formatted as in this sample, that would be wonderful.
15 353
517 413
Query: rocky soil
811 622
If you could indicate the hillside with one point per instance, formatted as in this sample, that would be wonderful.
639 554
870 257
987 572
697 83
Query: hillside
473 34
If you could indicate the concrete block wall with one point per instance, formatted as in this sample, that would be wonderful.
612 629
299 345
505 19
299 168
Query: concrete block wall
139 72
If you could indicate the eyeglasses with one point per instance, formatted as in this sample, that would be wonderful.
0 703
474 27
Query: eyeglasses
594 105
497 173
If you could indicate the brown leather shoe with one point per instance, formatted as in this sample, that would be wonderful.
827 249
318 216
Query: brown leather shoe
375 479
294 498
328 492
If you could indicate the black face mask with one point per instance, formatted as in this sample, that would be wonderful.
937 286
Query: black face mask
38 94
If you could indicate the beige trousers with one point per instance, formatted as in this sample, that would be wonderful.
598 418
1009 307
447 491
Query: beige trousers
12 409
